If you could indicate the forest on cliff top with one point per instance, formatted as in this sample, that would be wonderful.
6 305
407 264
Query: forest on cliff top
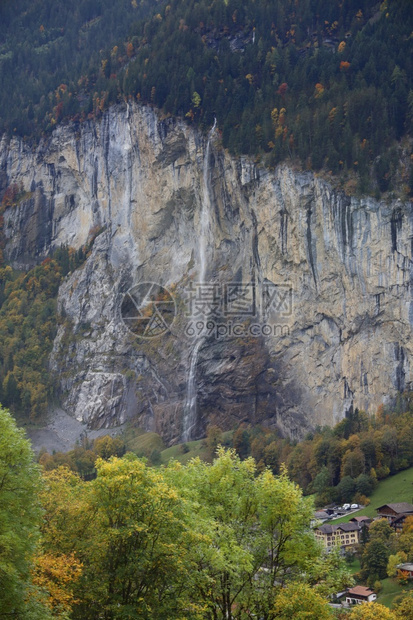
327 84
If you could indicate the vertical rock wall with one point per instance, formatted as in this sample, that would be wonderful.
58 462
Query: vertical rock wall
346 342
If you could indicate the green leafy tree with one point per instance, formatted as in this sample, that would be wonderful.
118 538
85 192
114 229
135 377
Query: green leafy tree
288 546
322 486
20 516
200 541
213 440
375 559
364 485
372 611
225 495
257 534
353 463
364 535
329 574
138 559
345 489
404 609
241 442
394 560
272 456
301 602
107 446
381 530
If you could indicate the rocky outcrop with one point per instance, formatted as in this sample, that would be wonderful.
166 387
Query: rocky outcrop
342 339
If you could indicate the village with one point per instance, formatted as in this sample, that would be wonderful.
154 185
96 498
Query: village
348 536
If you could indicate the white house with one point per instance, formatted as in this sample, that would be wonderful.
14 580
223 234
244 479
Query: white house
360 594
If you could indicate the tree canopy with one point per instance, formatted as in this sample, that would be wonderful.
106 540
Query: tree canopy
20 516
211 541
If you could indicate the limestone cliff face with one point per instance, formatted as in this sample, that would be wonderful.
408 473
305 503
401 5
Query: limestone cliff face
347 340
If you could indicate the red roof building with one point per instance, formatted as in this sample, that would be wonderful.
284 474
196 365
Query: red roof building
360 594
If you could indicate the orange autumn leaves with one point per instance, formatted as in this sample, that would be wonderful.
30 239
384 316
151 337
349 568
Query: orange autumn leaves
54 576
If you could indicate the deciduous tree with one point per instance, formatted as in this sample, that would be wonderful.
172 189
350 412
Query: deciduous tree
20 515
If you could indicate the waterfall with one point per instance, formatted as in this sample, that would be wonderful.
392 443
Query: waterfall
189 420
191 393
205 220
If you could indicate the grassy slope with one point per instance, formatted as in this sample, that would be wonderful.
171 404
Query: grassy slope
137 440
196 448
354 566
142 443
391 589
398 488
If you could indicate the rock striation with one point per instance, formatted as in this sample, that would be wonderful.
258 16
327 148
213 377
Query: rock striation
345 339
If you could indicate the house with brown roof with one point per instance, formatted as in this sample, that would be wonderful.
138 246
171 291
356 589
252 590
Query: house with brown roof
319 515
360 594
345 534
398 522
391 511
361 520
396 514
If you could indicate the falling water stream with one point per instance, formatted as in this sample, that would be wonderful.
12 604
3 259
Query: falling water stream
190 418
